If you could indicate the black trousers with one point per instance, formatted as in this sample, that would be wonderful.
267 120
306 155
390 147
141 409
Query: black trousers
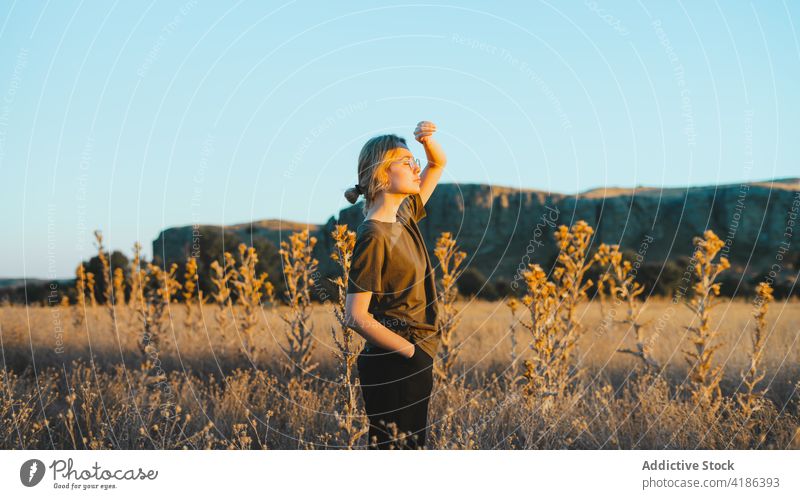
396 390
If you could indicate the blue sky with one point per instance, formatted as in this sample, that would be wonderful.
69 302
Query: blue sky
130 117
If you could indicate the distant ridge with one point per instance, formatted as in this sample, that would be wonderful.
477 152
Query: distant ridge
495 224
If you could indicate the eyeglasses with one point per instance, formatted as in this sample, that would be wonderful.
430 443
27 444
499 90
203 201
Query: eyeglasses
409 162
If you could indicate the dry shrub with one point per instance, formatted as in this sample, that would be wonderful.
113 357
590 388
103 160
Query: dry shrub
704 378
250 288
193 299
222 276
554 326
298 268
620 281
450 259
352 422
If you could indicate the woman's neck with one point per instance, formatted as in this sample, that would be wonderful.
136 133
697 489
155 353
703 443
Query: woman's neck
385 207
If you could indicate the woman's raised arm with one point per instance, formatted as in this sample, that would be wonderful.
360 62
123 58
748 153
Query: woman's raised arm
436 159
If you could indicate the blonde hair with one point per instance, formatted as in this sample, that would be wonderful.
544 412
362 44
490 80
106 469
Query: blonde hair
373 169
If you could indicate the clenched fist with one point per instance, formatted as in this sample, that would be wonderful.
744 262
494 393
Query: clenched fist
424 131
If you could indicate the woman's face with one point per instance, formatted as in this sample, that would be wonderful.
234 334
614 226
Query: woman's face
403 172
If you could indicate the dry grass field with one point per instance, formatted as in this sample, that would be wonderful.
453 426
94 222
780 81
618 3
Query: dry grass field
558 369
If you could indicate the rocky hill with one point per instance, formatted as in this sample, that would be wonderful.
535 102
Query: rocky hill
504 228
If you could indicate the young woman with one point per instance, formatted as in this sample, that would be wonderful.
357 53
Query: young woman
391 293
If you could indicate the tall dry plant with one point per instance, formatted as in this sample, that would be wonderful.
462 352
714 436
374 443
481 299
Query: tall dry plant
137 278
352 423
513 305
222 276
752 400
159 288
541 372
192 295
250 288
298 268
569 275
105 280
80 292
119 286
120 308
623 287
450 259
90 289
705 380
554 324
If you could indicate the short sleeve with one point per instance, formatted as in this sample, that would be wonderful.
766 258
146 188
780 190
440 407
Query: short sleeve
412 207
366 263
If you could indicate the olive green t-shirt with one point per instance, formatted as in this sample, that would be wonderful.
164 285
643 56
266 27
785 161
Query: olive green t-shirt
391 260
